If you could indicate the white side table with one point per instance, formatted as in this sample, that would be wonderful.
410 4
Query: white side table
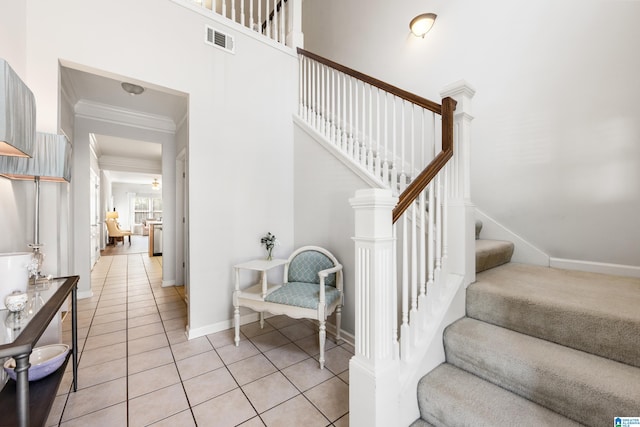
253 297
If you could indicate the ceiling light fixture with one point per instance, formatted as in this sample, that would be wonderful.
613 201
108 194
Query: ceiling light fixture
421 24
155 184
132 89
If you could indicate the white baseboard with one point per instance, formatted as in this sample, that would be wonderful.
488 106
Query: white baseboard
254 317
524 252
595 267
168 283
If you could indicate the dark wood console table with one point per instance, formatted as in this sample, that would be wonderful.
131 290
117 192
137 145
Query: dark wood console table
27 404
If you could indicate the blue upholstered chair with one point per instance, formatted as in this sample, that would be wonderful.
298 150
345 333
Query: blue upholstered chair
312 289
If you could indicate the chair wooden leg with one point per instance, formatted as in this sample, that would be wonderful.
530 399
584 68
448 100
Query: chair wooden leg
129 240
236 321
338 322
322 338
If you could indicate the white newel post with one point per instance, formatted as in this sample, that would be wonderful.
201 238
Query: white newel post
373 370
295 38
461 221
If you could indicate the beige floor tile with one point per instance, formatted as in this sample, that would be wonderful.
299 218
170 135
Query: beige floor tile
111 309
295 412
156 406
251 330
56 410
172 305
181 419
281 321
191 348
139 298
102 355
117 293
342 422
152 342
94 398
149 302
98 374
106 328
111 302
307 374
179 313
199 364
311 345
253 422
105 340
144 320
115 415
337 359
231 353
298 331
269 341
224 338
145 331
286 355
269 391
251 369
142 311
175 324
348 347
331 397
344 376
152 380
177 336
209 385
149 360
227 410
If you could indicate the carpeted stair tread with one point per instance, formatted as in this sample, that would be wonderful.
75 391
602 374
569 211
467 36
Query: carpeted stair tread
591 312
449 396
492 253
587 388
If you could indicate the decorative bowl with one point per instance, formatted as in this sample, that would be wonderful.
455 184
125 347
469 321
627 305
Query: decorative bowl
16 301
44 361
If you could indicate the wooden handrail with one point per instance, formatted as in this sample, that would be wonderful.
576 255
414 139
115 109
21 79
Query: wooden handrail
420 183
400 93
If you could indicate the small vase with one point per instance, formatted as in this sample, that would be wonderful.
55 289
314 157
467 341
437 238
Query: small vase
269 255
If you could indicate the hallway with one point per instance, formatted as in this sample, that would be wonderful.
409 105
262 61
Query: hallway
138 369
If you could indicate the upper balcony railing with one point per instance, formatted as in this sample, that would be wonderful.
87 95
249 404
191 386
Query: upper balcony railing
279 20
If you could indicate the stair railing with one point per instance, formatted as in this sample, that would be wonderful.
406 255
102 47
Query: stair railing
414 233
279 20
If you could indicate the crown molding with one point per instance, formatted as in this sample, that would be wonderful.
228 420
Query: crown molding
127 164
121 116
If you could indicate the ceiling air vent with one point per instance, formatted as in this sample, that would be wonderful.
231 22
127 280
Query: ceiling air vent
219 39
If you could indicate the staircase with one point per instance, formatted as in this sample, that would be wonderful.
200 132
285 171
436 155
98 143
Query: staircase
538 347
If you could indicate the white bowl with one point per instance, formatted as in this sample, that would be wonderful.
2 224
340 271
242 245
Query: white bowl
44 361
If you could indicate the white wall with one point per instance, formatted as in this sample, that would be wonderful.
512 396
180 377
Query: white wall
240 130
324 217
555 151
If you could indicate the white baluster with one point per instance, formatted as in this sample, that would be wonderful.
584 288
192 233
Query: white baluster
344 142
363 139
356 140
438 209
224 8
423 250
370 150
414 262
267 18
283 21
378 163
385 164
402 142
233 11
394 152
275 27
314 83
404 327
301 85
350 142
431 238
260 17
251 21
242 14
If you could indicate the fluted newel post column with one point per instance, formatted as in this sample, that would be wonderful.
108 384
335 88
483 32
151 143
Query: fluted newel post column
295 38
461 214
373 370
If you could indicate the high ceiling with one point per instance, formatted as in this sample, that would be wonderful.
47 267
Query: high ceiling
103 92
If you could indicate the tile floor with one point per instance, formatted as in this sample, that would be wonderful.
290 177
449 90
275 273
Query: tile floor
138 369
